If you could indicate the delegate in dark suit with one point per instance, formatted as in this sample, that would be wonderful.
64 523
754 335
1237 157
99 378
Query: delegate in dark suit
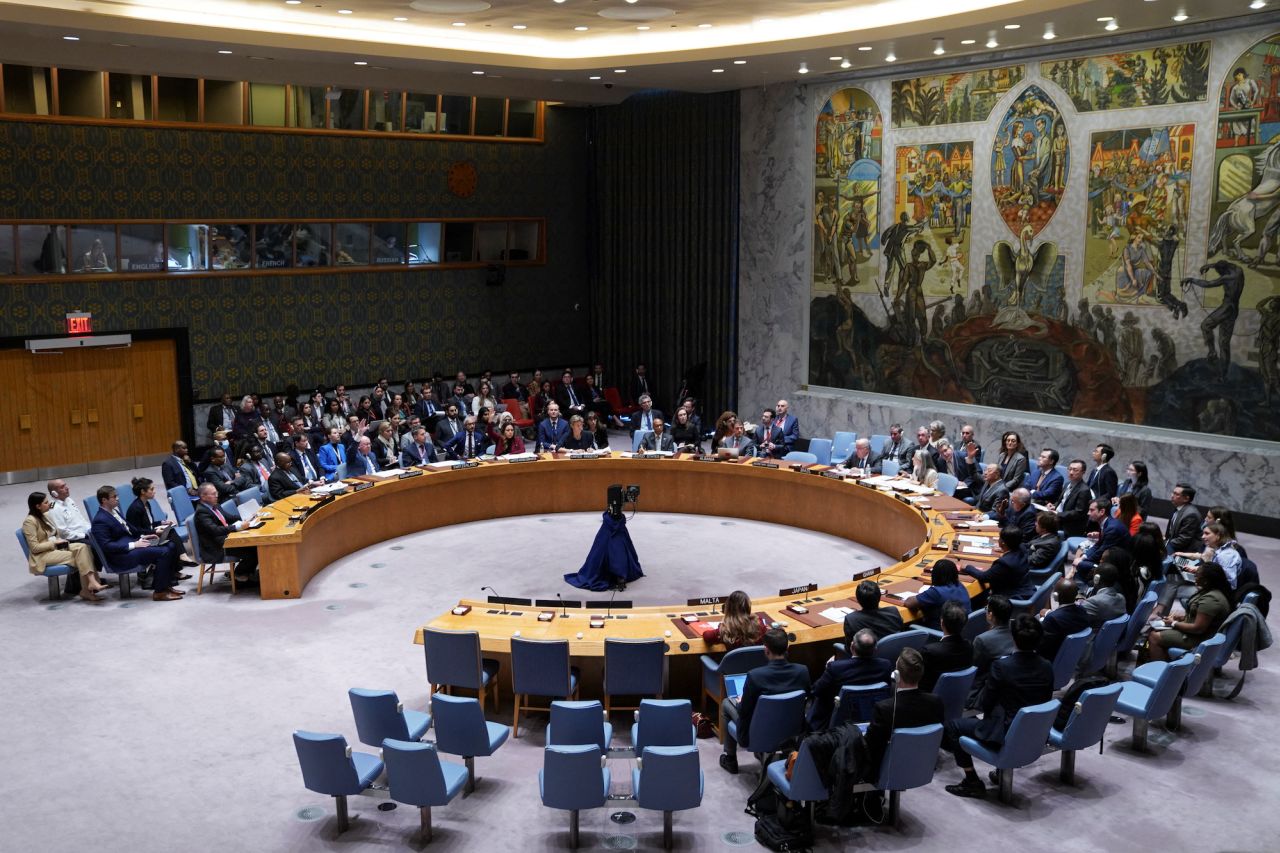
551 434
115 539
174 472
653 441
213 527
990 495
913 706
1041 551
789 426
1057 624
1114 535
466 445
228 481
644 420
1183 530
1104 483
141 523
281 484
882 622
1045 486
776 676
839 673
1016 681
1073 509
1007 575
950 654
1024 519
306 464
773 436
415 454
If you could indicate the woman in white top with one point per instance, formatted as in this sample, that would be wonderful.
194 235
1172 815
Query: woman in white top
484 399
922 468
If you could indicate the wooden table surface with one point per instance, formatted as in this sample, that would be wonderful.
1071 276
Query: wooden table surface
292 552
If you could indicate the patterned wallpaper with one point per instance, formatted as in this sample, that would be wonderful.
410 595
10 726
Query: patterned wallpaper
263 333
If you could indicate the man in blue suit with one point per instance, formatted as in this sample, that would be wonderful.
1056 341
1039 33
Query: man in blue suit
467 444
778 675
1045 483
768 437
125 551
178 470
1114 535
787 424
553 430
643 419
332 454
420 451
306 464
863 668
1018 513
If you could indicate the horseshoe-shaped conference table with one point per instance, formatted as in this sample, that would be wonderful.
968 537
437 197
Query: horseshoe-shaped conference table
810 497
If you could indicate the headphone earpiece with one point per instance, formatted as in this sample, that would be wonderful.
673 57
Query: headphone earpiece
894 676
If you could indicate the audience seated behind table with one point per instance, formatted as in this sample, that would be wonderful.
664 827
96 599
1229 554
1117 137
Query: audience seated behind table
778 675
1204 614
46 548
1137 484
1103 481
1073 505
597 430
881 621
944 586
658 440
768 438
643 419
579 437
992 492
1219 550
896 448
227 480
739 626
255 468
178 469
952 652
923 471
467 444
724 428
125 548
739 439
861 668
142 522
285 481
419 451
449 425
787 424
1017 512
1113 534
1017 680
684 433
510 441
910 706
947 461
552 431
1007 576
1043 549
1012 460
992 644
1044 483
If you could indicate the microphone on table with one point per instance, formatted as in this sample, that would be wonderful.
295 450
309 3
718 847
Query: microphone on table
495 595
563 613
609 608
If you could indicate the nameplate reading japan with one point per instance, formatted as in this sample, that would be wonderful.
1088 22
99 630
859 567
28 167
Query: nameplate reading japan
797 590
706 599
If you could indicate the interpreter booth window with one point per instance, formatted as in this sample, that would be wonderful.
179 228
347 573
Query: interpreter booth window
421 113
307 106
491 241
266 105
525 241
178 99
230 247
8 250
459 242
129 97
489 115
80 93
312 243
424 242
388 243
93 249
43 249
223 102
352 244
522 119
142 249
273 249
384 111
346 112
455 114
28 90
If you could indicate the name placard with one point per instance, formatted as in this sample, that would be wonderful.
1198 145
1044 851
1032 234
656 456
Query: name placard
518 461
706 459
471 463
360 487
706 599
831 475
866 573
764 464
803 589
404 475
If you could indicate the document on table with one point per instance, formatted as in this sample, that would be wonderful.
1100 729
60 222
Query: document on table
836 614
387 475
969 539
984 522
906 593
518 457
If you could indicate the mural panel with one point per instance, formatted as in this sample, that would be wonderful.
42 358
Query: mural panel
1030 162
1168 74
1139 191
950 98
847 193
933 203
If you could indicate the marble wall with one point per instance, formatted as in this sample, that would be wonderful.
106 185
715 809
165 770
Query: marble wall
776 273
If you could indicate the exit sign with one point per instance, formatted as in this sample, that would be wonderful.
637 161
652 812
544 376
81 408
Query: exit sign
79 323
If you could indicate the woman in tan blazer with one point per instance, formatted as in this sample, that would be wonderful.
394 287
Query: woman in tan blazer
48 550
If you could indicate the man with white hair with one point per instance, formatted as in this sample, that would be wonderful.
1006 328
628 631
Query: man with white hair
643 419
861 458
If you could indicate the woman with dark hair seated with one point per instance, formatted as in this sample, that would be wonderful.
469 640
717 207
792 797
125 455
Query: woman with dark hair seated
945 586
1127 579
46 548
1128 514
1136 484
739 627
509 441
1149 551
1205 613
143 522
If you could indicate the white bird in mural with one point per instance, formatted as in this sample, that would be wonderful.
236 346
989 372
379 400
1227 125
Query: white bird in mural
1017 267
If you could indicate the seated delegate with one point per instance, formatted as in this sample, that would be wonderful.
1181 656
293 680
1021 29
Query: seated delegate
46 548
944 586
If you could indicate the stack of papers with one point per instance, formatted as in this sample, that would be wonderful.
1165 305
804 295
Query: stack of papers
387 475
442 466
836 614
329 488
517 457
984 522
969 539
881 480
906 593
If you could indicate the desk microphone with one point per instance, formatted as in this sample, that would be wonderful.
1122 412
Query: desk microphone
609 608
563 613
495 595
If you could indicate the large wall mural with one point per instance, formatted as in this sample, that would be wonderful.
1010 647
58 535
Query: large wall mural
1137 296
1169 74
950 98
847 194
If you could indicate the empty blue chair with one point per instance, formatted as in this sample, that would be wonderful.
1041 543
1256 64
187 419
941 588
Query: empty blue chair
1023 744
878 442
1104 644
908 763
952 688
841 446
540 668
1068 657
330 767
637 438
453 660
91 507
633 668
573 778
576 723
253 493
1146 703
1085 727
736 662
1206 657
1039 599
663 722
947 484
801 456
380 715
821 449
889 468
667 779
183 508
856 702
975 624
50 572
461 729
488 451
777 719
417 777
127 497
1141 613
891 646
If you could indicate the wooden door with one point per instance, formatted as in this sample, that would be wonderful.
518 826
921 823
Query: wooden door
55 395
153 408
23 423
106 388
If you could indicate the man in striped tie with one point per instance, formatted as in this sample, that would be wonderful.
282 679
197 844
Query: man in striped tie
213 526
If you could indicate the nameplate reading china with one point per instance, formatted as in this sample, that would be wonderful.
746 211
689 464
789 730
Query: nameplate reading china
797 590
706 599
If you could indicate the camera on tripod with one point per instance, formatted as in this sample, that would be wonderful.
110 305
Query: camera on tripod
620 495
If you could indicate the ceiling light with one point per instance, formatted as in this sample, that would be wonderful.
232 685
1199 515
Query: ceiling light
344 11
890 57
804 69
1049 34
968 41
938 49
519 27
1181 16
1105 18
642 28
1258 4
580 29
632 1
835 58
704 26
459 23
991 39
71 38
360 62
864 48
596 77
1113 26
478 73
225 52
1013 26
619 71
717 70
293 2
846 64
739 62
559 1
400 19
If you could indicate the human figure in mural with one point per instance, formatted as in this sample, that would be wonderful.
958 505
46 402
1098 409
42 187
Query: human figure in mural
860 225
1218 416
1133 279
1084 318
1164 274
1131 346
1223 319
1166 352
910 295
1243 95
821 243
1268 341
1042 170
939 324
1059 154
1017 156
1238 221
958 314
892 242
954 260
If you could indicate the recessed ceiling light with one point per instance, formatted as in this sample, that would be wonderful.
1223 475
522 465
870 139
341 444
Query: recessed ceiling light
632 1
225 52
846 64
1258 4
459 23
1049 34
717 70
619 71
1013 26
519 27
968 41
401 19
1112 25
293 2
71 38
739 62
478 73
938 49
360 62
642 28
559 1
890 57
581 29
344 11
704 26
1105 18
804 69
864 48
1181 16
835 58
991 39
594 77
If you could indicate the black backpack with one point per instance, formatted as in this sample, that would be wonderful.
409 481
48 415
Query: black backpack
776 835
1072 696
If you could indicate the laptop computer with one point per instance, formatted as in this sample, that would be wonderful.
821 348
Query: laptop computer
728 452
733 685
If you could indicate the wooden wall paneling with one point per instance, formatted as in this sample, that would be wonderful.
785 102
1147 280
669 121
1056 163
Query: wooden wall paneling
54 392
21 447
153 369
106 389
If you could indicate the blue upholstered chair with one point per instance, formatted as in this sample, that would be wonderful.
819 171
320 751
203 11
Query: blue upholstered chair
952 688
576 723
540 668
1146 703
638 437
891 646
878 442
380 715
805 784
857 702
417 777
841 445
253 493
1039 599
633 668
1133 628
124 574
667 779
91 507
453 660
1023 744
1068 657
947 484
663 722
777 719
1206 657
461 729
801 456
127 497
330 767
573 778
1102 652
975 624
821 449
52 573
889 468
908 763
183 508
1085 727
210 569
735 662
